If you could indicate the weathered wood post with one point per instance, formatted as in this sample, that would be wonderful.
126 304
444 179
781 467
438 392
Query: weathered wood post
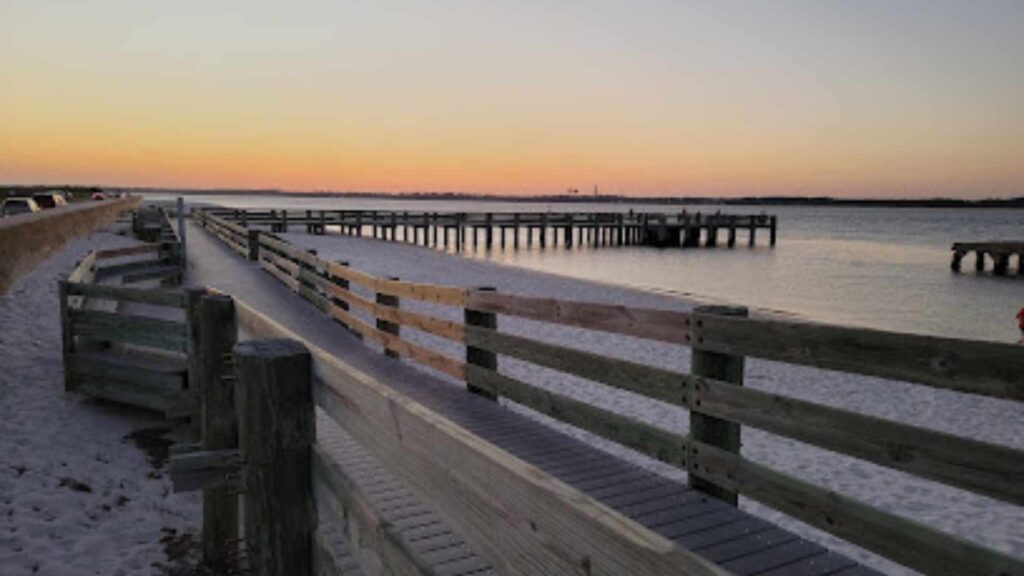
716 432
276 432
543 230
774 229
1000 264
67 336
218 333
460 231
193 297
478 356
515 231
489 232
254 245
343 284
180 215
385 325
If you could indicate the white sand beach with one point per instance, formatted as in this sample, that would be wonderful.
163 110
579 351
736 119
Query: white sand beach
78 494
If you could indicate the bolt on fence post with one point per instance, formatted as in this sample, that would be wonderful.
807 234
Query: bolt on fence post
478 356
276 431
384 325
709 430
218 332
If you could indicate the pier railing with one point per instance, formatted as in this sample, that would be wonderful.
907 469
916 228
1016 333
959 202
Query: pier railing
720 339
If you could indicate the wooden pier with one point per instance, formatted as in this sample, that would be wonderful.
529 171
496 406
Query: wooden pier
513 229
1001 254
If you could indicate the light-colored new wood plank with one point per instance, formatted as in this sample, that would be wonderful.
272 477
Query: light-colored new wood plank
979 467
84 272
423 322
268 264
664 325
654 442
975 367
420 354
663 385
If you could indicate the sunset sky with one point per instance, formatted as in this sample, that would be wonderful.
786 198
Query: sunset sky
858 98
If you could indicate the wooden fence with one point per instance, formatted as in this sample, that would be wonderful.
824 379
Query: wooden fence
720 339
516 517
140 360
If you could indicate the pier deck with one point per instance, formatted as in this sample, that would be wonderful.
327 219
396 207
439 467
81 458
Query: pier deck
490 229
735 540
1000 252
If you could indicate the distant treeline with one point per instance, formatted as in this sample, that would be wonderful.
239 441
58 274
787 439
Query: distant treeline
554 198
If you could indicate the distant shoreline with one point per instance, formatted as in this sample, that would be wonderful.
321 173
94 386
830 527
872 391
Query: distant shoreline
1017 202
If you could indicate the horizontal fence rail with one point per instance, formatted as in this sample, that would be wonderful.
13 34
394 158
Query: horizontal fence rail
719 405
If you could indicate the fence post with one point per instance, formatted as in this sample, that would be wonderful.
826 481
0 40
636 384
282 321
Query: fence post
276 432
193 297
218 333
478 356
67 336
385 326
181 231
254 245
725 368
344 285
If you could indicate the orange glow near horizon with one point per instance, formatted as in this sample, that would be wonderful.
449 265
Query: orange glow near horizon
510 100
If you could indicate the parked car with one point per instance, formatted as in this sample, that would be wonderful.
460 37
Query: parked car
49 200
14 206
99 196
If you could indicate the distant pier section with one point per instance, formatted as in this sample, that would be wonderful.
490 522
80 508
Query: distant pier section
490 229
1000 253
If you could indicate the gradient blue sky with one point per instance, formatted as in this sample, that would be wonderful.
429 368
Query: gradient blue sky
726 98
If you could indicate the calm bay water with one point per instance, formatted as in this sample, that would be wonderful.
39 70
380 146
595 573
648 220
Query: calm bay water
883 268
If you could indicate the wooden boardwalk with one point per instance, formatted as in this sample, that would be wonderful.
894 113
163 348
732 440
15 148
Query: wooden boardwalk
492 229
735 540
